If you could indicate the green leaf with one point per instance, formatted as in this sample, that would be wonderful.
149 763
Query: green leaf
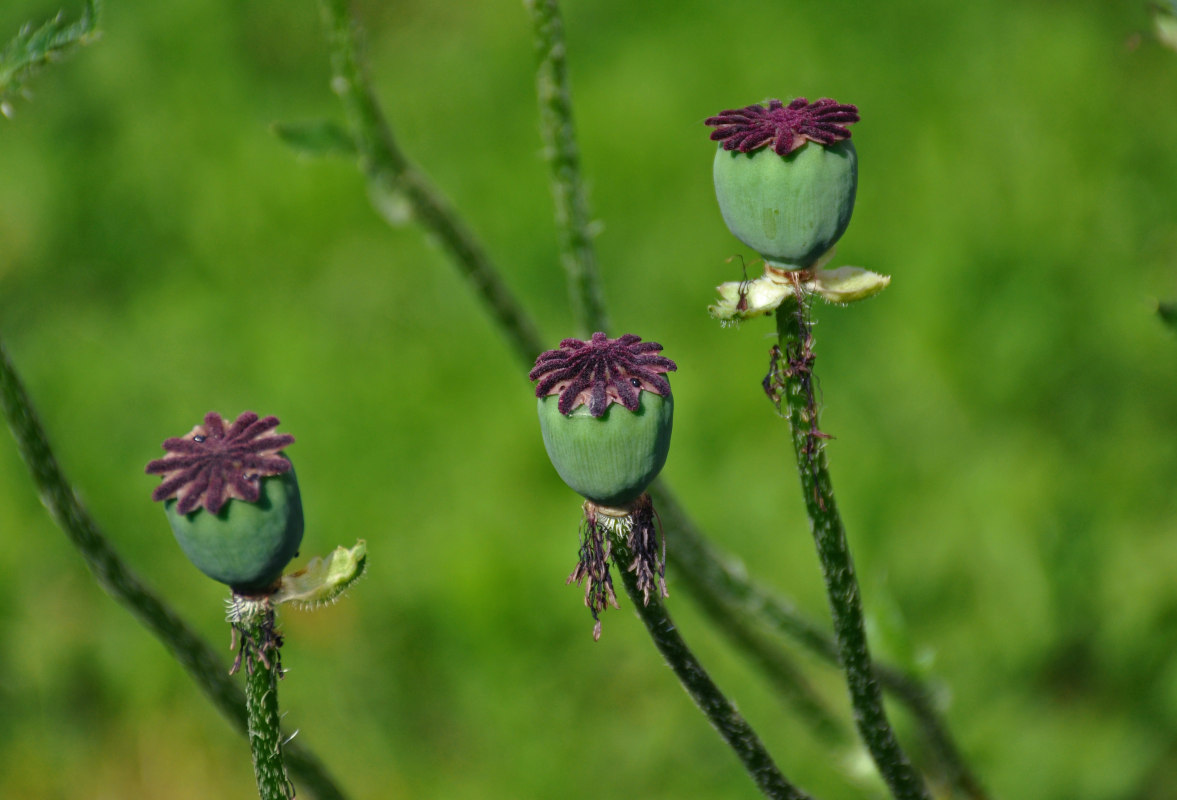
323 580
316 138
31 49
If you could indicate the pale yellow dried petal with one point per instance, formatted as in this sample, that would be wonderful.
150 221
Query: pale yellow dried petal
760 296
847 284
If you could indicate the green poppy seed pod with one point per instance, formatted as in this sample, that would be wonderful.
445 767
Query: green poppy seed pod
244 545
609 459
232 499
606 414
789 209
791 201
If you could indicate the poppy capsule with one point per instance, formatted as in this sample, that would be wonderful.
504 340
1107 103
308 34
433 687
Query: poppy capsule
245 545
606 413
609 459
231 497
785 177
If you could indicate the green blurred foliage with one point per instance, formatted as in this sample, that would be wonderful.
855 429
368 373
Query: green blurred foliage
35 47
1005 413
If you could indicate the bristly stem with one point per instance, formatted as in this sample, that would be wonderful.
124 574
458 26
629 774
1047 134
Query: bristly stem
790 384
391 175
779 666
117 579
721 585
260 652
573 226
734 729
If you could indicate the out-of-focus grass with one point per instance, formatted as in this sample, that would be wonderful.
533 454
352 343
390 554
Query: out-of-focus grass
1005 413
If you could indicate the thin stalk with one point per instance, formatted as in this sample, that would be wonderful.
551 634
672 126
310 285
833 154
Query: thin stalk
734 729
717 578
777 665
263 666
392 178
722 578
790 384
782 673
120 582
573 226
721 586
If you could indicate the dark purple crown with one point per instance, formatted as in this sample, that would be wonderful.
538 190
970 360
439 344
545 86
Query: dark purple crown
602 371
784 127
213 464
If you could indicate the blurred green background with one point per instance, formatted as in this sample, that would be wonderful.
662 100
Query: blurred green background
1005 413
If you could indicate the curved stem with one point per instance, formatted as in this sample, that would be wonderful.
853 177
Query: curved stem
721 579
720 584
392 176
714 576
263 666
734 729
778 666
563 157
790 385
116 578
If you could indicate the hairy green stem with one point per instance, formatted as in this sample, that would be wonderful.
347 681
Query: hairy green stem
783 674
790 384
202 664
723 590
734 729
392 177
778 666
263 668
723 579
715 577
563 156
